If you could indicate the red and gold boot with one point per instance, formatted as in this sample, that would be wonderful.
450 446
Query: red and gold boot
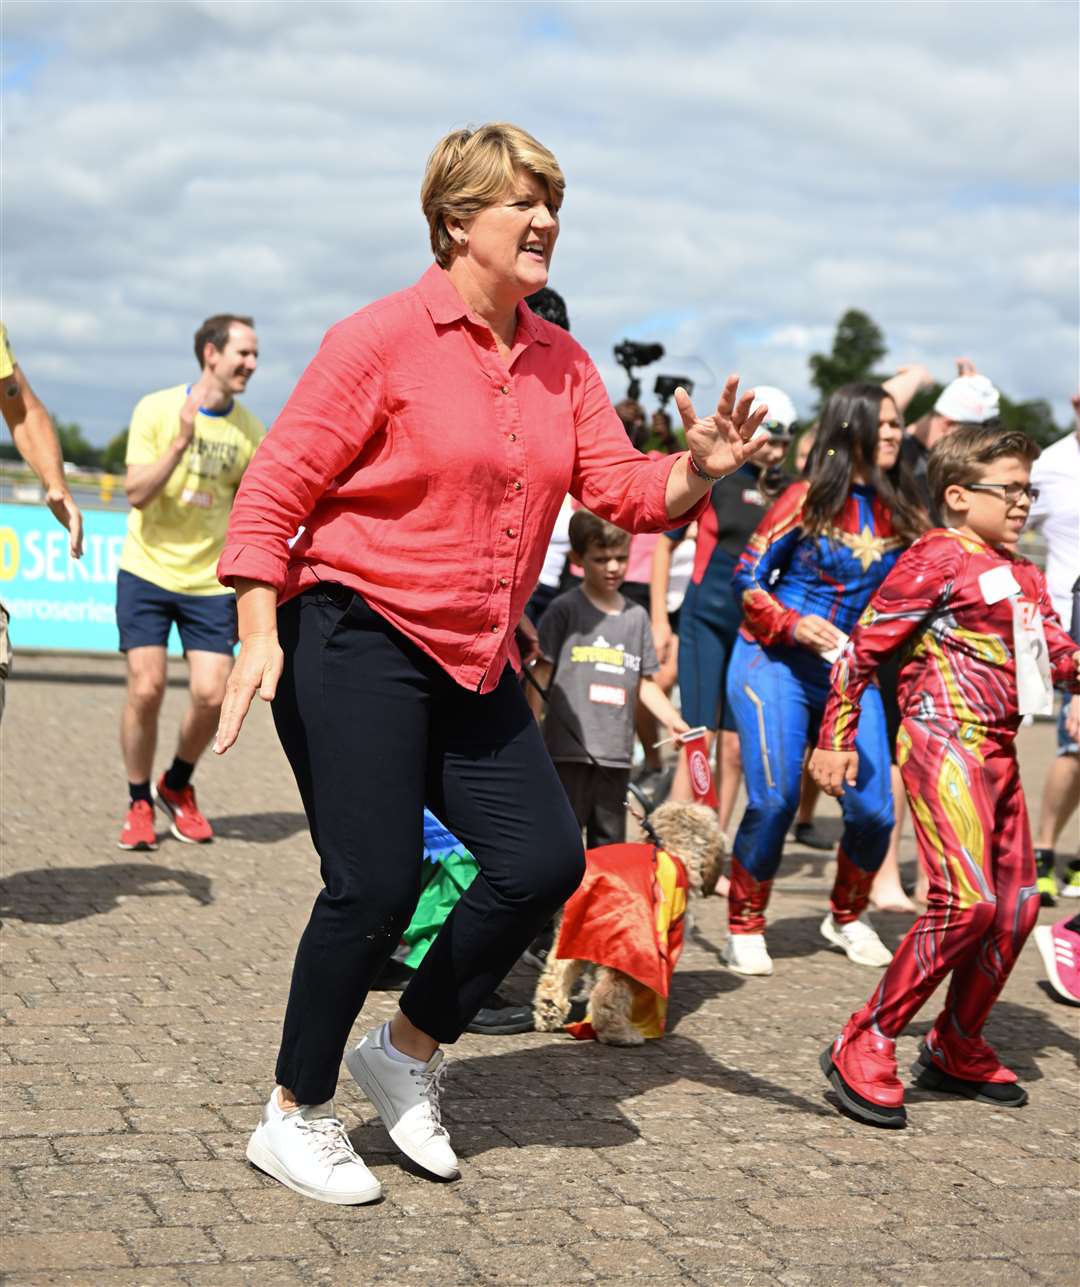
861 1067
967 1066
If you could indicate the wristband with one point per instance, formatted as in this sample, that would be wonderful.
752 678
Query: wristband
696 468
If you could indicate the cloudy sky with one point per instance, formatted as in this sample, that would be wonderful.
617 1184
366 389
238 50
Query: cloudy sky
737 176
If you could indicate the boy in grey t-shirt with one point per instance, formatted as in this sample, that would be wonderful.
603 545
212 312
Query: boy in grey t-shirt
602 661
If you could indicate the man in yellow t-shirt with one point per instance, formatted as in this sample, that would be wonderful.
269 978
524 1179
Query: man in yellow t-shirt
36 441
187 449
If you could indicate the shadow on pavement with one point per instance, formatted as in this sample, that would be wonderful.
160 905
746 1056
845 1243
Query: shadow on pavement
92 679
801 935
563 1063
263 828
1020 1034
58 895
690 989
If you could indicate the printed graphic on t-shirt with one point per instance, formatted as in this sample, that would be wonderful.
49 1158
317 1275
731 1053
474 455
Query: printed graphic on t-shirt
612 658
209 458
607 695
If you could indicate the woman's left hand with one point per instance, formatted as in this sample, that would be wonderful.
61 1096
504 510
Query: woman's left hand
720 443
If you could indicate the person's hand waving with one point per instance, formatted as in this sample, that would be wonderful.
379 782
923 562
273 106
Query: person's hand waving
720 443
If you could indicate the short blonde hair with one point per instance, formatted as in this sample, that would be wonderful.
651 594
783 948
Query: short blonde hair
470 169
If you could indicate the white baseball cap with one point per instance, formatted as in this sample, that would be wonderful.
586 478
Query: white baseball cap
969 399
782 414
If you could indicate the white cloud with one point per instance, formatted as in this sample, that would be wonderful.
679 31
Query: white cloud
739 175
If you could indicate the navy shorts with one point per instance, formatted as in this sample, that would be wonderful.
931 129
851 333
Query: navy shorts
145 613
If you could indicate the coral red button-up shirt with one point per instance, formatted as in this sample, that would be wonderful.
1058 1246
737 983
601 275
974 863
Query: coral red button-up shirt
427 473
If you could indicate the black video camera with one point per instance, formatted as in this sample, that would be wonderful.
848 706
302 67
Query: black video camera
666 385
630 354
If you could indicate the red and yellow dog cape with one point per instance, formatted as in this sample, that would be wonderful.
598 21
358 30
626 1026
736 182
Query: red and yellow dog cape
628 914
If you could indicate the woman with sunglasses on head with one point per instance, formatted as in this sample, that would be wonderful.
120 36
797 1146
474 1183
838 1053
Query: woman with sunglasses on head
426 451
807 573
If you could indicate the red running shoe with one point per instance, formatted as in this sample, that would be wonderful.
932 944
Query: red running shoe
185 821
861 1067
967 1066
138 831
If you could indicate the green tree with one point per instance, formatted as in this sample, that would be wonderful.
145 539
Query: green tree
73 444
858 346
114 453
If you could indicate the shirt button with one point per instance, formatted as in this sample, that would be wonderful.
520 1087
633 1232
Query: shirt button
512 437
517 487
504 581
511 531
494 630
505 388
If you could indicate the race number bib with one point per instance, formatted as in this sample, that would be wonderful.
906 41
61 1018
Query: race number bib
1034 689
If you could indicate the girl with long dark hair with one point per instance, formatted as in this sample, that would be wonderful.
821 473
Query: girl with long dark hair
807 573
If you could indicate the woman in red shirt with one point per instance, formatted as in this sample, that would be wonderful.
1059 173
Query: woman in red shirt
425 453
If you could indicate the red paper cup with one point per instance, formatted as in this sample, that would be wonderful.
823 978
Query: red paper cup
696 744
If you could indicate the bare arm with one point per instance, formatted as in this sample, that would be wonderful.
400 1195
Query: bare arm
656 703
904 385
658 591
36 441
541 672
145 482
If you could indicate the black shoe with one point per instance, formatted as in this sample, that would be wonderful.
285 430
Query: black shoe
393 977
536 954
1002 1094
501 1018
1044 877
806 833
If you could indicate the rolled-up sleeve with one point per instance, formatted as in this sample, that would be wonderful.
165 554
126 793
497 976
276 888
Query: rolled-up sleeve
610 477
338 404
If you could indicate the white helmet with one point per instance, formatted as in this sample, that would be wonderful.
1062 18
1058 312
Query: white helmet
782 414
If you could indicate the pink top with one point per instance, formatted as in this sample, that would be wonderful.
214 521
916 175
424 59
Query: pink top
427 473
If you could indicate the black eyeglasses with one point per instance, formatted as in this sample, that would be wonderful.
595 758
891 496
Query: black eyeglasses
1010 492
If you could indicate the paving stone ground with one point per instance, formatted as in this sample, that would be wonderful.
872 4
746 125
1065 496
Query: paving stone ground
143 996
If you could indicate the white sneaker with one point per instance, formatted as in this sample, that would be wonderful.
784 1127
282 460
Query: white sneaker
407 1098
858 939
308 1150
746 954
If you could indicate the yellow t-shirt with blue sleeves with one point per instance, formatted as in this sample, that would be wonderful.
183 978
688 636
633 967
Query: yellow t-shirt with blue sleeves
175 541
7 358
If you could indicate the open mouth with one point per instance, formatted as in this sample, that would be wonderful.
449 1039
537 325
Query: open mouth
535 250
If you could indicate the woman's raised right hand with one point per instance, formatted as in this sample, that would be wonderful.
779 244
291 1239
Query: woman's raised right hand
818 634
257 670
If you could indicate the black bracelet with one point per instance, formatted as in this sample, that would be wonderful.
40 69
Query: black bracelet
696 468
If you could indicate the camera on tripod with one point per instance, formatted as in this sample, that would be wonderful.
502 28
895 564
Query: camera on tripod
630 354
665 387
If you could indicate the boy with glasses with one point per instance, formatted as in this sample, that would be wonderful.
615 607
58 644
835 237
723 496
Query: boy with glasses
983 647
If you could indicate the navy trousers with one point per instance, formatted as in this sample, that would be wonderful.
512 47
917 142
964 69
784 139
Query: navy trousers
374 730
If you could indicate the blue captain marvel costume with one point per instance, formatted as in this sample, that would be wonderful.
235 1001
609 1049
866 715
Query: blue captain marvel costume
777 691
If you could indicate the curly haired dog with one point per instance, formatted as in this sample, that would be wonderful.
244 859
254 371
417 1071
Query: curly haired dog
627 921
